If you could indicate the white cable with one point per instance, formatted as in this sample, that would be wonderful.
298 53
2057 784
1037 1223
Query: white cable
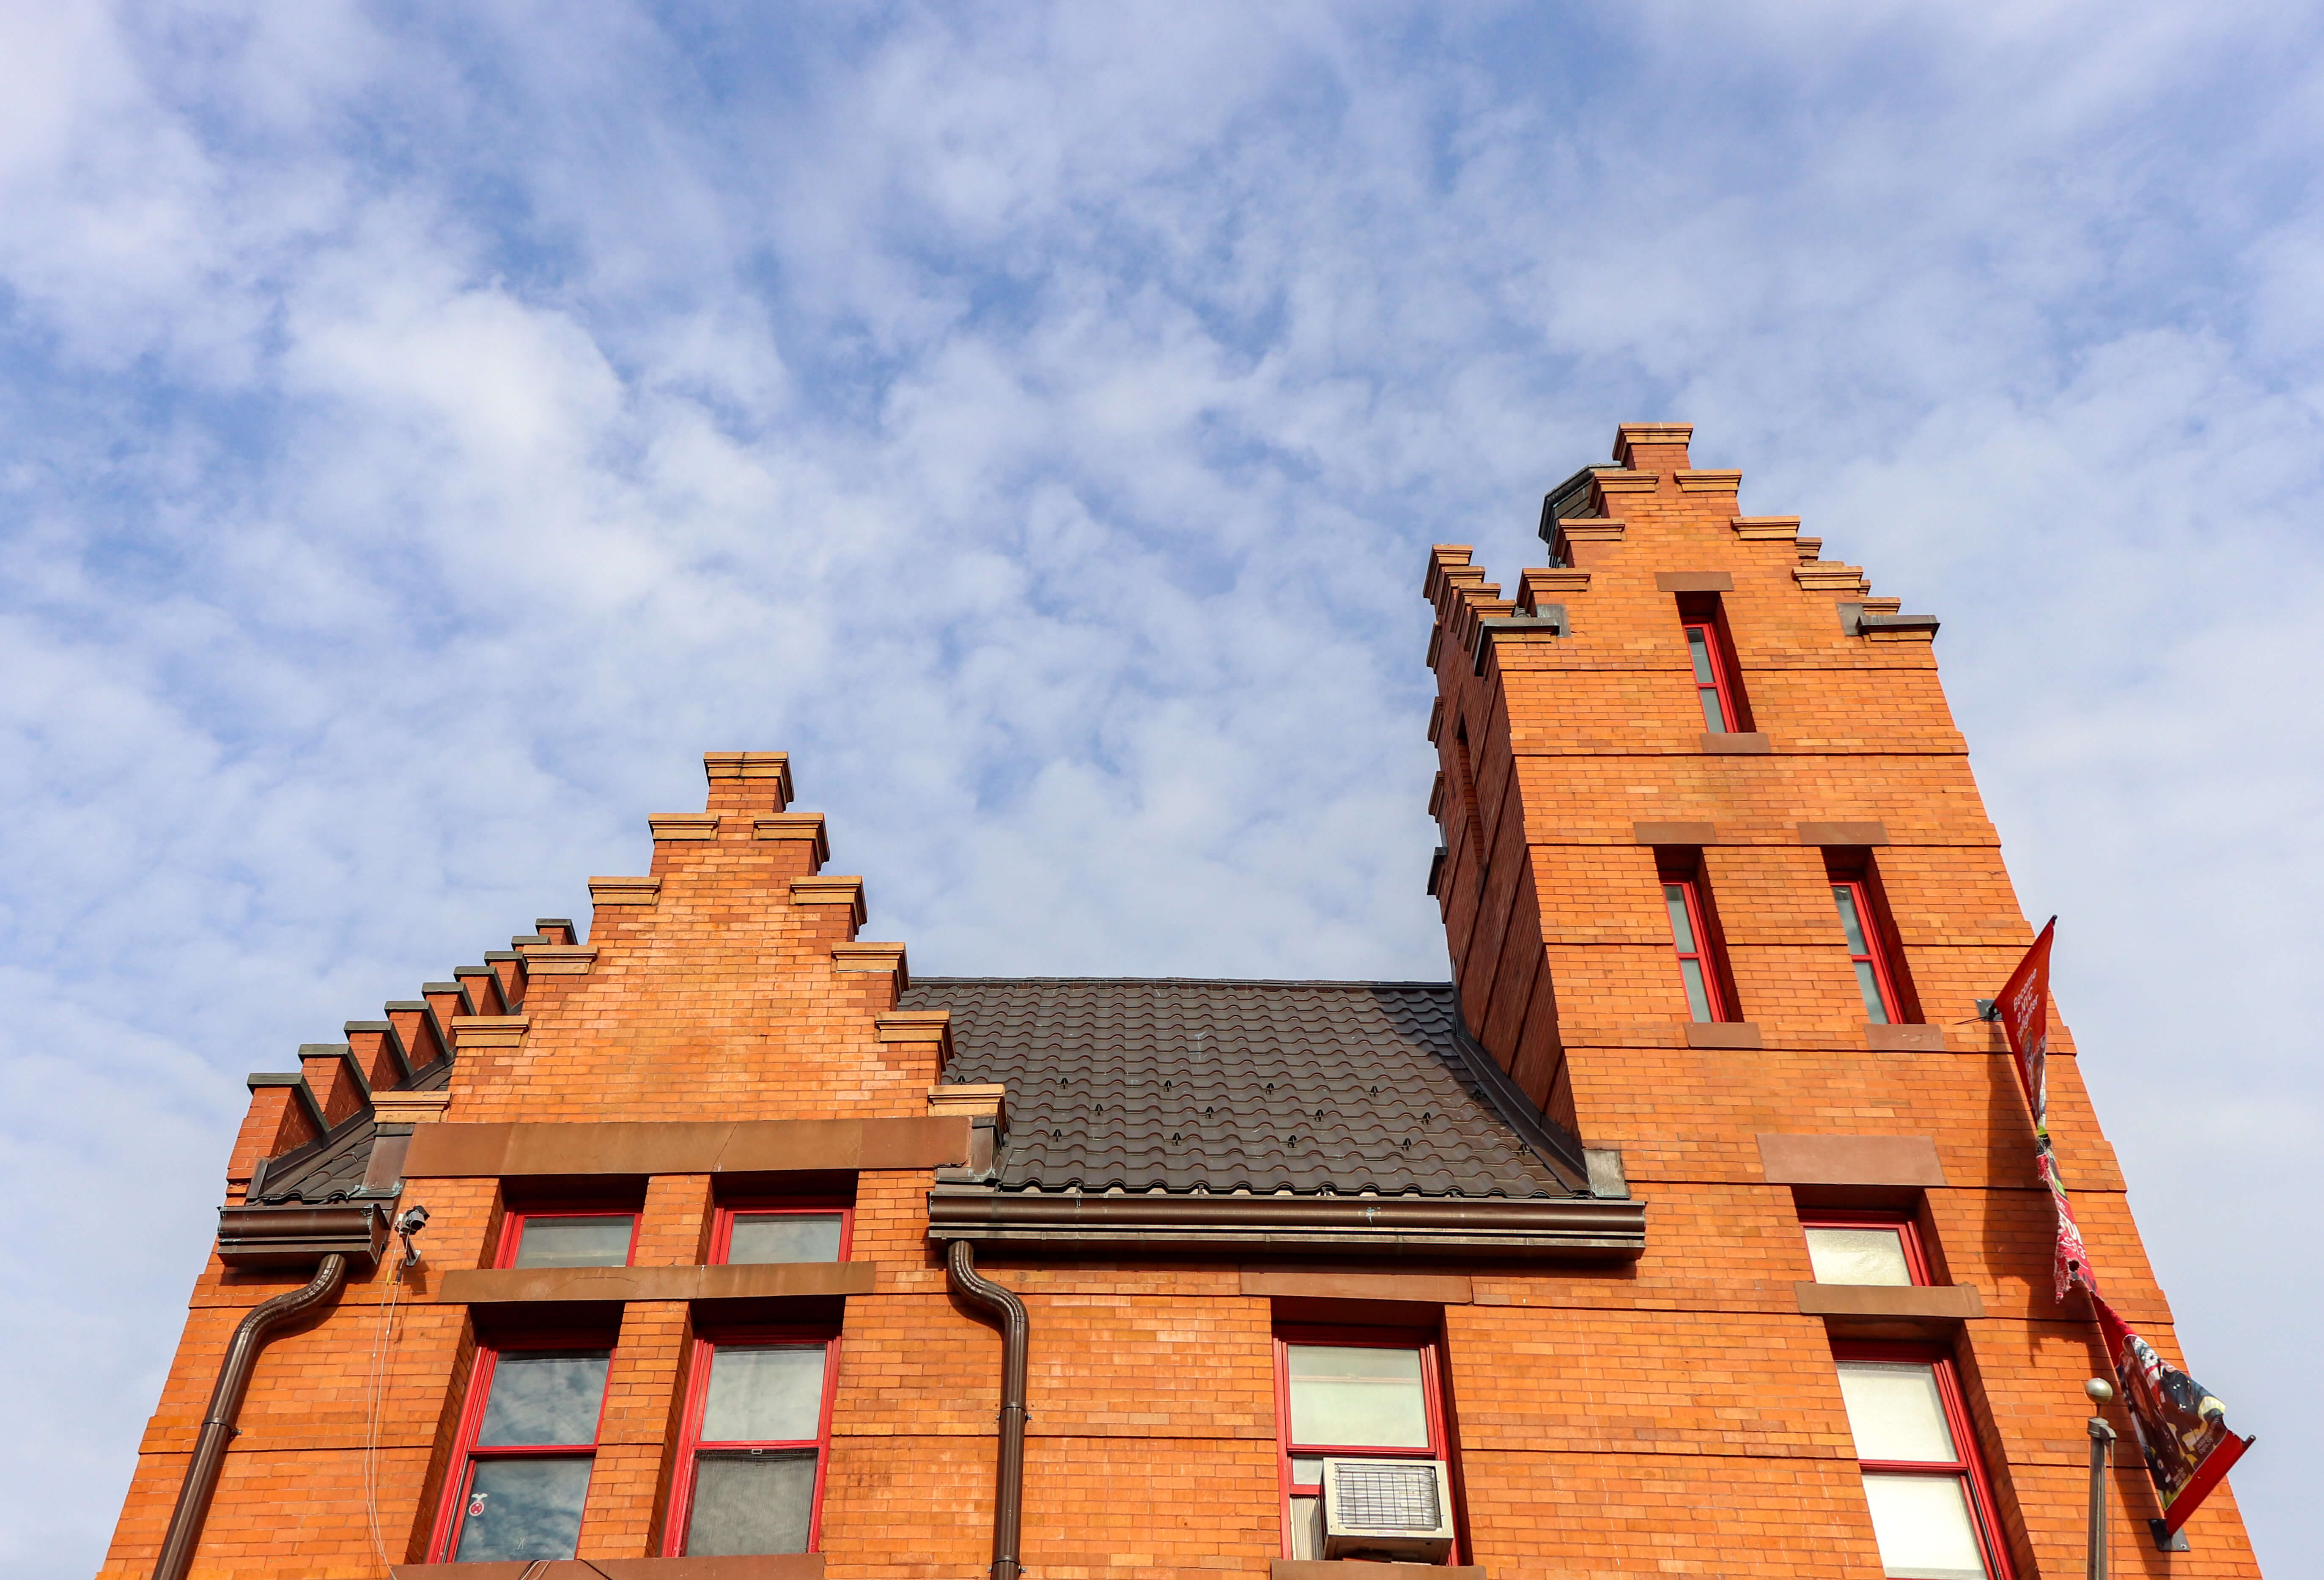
374 1408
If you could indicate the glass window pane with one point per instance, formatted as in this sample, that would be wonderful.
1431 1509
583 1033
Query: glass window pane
1868 984
544 1398
1924 1527
1698 648
1698 995
1307 1527
522 1509
1357 1397
784 1237
596 1240
751 1503
1682 927
1714 719
763 1394
1894 1411
1858 1256
1850 923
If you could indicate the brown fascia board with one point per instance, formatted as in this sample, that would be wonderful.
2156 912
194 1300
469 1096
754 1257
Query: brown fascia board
754 1567
300 1236
1344 1225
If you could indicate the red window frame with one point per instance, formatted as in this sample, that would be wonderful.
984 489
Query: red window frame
512 1224
722 1233
1970 1463
1908 1228
450 1515
1868 922
1697 621
1431 1389
698 1391
1704 955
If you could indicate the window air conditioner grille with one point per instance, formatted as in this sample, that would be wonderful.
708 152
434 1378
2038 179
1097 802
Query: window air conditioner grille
1387 1496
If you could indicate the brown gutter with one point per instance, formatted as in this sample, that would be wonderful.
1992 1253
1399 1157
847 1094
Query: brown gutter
1009 1480
1536 1226
225 1403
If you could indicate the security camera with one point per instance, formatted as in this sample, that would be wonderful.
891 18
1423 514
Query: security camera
411 1224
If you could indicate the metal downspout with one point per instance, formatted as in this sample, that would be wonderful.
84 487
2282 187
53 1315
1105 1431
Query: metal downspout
1008 1483
225 1403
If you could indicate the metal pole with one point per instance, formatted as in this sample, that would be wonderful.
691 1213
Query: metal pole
2101 1447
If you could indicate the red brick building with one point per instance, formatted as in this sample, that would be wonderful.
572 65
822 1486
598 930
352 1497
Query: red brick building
1691 1229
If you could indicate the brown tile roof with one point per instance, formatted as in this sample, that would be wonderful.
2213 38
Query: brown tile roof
1223 1086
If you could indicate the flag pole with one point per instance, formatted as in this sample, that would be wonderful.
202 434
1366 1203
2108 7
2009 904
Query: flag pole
2101 1392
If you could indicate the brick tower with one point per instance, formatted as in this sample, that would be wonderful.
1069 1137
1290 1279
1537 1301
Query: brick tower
746 1256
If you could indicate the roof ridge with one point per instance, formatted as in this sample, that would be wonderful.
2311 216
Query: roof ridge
920 980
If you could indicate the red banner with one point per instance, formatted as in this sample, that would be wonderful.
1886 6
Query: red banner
2024 1006
2070 1264
2181 1430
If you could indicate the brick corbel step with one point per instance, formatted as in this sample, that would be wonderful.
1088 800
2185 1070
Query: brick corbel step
604 892
847 891
683 825
876 959
805 828
931 1027
476 1031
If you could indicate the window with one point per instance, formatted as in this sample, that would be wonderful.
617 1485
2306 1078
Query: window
1716 686
1690 932
1349 1393
792 1231
586 1238
1931 1508
1864 1248
756 1442
527 1440
1863 950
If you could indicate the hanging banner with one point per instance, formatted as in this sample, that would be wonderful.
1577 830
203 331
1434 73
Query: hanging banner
2024 1006
2070 1263
2181 1430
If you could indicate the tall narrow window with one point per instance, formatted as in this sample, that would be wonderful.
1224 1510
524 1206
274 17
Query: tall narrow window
1871 937
1931 1508
1350 1393
1864 953
526 1441
756 1444
576 1239
1691 933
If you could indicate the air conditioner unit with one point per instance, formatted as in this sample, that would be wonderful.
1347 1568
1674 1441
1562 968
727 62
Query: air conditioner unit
1393 1509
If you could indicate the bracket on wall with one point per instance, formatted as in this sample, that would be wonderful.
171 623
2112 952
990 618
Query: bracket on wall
1547 619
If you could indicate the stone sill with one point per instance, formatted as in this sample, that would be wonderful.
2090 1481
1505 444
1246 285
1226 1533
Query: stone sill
742 1282
1359 1569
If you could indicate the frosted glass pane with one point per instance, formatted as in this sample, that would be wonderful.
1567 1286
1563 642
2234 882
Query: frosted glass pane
1681 929
1868 984
1896 1412
1849 922
1858 1256
751 1503
1698 648
1357 1397
783 1237
522 1509
1698 994
1924 1527
1306 1471
763 1394
591 1241
544 1398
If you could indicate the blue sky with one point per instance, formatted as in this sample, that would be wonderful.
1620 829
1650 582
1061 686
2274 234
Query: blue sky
424 430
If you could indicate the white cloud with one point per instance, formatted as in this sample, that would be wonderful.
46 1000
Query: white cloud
426 434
